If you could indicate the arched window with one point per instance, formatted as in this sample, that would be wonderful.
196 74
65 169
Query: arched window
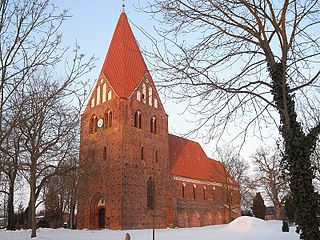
104 92
142 153
155 103
150 96
153 125
108 118
92 102
150 194
110 95
183 190
194 191
92 154
104 153
213 189
138 95
98 95
93 124
231 198
137 119
144 93
204 193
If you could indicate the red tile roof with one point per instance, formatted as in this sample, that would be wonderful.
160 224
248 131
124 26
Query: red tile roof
124 66
188 159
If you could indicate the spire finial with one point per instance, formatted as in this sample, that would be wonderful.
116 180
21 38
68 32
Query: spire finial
123 6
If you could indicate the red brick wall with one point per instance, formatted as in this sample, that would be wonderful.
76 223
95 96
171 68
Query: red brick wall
136 170
100 175
120 176
213 209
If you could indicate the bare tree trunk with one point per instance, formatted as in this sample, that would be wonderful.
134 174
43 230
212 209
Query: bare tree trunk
11 222
33 198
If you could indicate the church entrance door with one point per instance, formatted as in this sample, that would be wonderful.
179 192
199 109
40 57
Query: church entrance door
102 218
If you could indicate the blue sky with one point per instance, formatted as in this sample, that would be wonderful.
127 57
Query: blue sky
92 25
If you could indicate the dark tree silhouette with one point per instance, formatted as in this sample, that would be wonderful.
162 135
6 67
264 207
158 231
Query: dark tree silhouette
258 207
289 208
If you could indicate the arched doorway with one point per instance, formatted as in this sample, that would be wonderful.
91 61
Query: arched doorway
97 212
102 218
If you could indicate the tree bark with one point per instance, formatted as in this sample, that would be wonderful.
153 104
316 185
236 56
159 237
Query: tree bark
33 198
11 222
298 149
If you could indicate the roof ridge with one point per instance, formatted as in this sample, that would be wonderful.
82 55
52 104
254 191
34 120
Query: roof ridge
186 139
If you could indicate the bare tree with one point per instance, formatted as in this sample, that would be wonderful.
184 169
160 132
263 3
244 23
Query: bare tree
11 166
59 194
239 169
49 129
270 177
30 47
249 64
29 39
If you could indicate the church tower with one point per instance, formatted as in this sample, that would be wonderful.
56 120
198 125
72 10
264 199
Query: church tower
124 147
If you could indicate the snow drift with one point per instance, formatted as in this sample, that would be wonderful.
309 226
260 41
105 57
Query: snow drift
242 228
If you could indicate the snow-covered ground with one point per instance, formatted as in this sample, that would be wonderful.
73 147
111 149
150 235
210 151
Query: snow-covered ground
243 228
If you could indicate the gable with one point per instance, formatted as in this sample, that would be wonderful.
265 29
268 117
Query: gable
124 66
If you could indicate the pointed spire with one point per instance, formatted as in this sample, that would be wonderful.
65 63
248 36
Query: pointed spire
124 66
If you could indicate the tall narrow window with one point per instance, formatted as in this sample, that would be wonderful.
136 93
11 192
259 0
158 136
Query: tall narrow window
104 153
150 194
108 118
194 191
231 198
104 92
93 124
92 102
110 95
153 125
92 154
156 156
142 153
138 95
213 189
144 93
98 95
155 103
137 119
183 190
150 96
204 193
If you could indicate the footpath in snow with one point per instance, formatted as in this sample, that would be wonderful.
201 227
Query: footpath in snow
243 228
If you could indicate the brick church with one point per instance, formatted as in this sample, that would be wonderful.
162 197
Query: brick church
134 174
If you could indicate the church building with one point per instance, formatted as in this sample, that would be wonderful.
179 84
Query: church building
133 173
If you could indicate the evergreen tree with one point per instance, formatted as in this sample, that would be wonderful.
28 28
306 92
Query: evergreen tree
258 207
285 226
289 208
